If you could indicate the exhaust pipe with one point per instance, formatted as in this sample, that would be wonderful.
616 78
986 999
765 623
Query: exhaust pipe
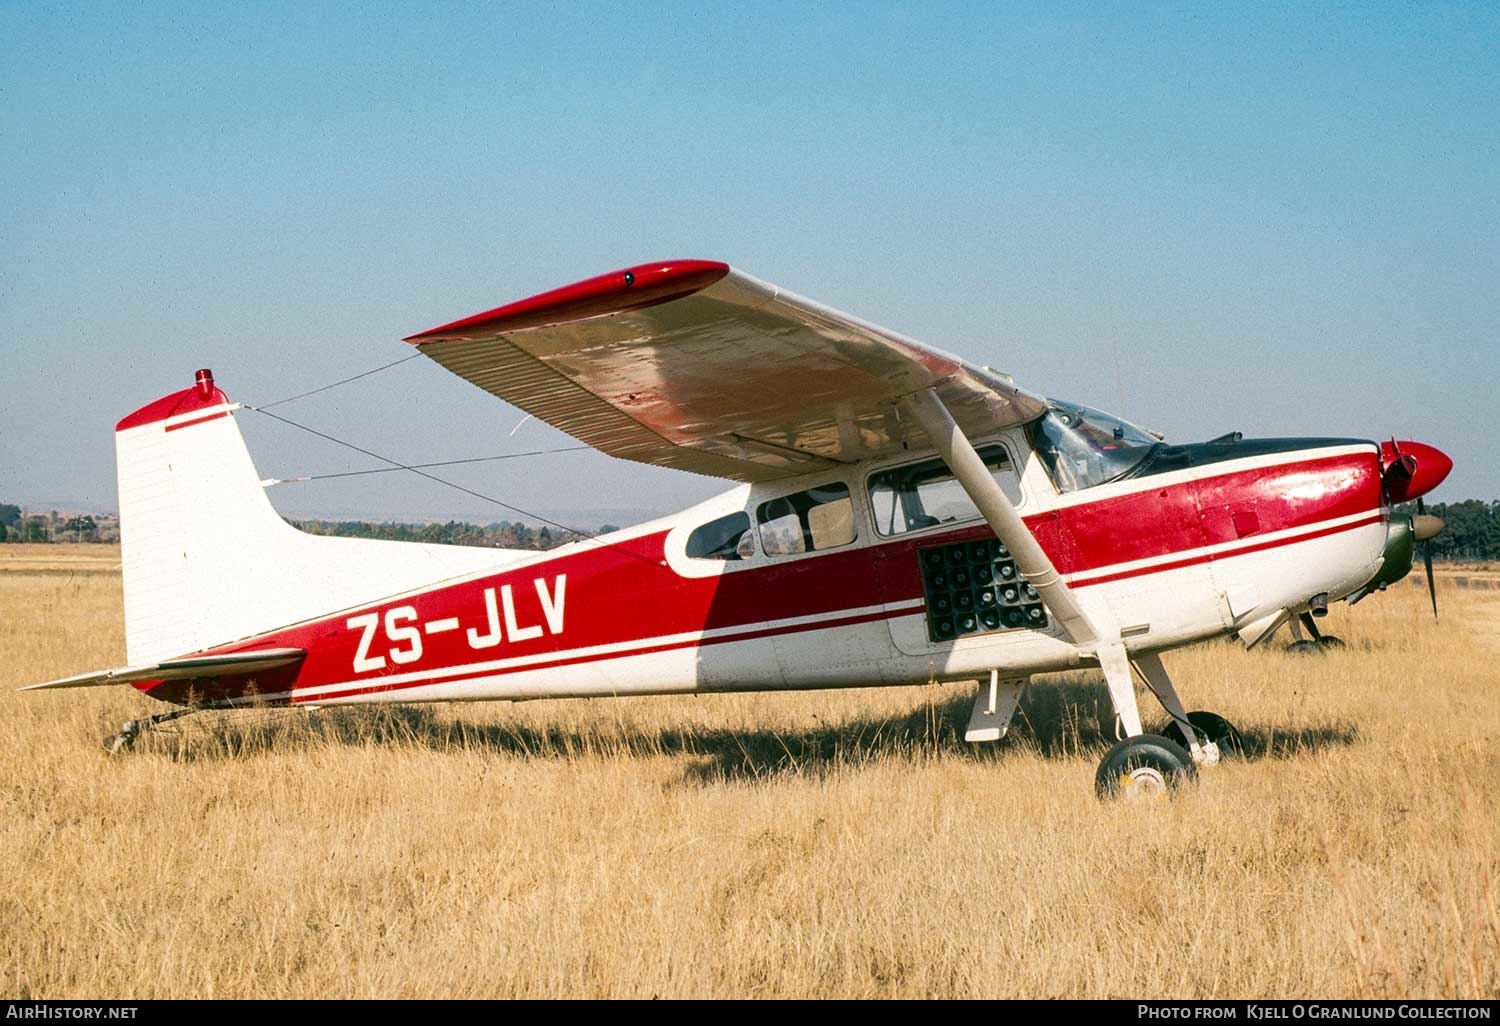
1318 604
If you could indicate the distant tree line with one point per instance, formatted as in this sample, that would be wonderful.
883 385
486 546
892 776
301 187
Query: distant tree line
1471 529
16 525
504 534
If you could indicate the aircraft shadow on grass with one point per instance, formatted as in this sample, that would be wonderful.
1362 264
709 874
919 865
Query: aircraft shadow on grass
1055 720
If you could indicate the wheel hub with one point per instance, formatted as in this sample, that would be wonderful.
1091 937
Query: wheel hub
1144 783
1206 753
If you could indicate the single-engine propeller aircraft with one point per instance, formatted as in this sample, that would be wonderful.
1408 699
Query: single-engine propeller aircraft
900 515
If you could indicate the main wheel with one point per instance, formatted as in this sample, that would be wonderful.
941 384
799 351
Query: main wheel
1329 641
1215 727
1146 766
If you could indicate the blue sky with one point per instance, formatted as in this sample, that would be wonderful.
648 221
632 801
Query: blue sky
1281 219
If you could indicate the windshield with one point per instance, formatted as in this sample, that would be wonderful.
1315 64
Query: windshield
1082 447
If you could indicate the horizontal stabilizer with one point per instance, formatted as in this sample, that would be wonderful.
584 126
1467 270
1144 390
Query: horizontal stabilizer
191 668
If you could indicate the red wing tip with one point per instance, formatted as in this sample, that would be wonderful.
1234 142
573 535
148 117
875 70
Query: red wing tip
627 289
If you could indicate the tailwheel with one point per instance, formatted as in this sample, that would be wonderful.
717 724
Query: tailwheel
1145 767
117 743
1213 727
132 729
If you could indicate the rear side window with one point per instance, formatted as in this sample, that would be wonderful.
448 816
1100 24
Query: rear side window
926 494
819 518
725 538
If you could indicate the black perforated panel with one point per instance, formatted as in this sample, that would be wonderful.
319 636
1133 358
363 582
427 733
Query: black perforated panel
974 588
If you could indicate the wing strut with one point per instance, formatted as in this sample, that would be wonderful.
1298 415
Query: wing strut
1102 642
953 445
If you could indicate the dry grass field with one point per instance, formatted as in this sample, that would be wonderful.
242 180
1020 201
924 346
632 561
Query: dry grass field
818 844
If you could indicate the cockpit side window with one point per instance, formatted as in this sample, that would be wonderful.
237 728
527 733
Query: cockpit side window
926 494
727 538
1081 447
819 518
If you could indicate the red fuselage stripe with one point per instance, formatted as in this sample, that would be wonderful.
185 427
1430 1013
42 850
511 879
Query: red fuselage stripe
1176 564
459 675
768 632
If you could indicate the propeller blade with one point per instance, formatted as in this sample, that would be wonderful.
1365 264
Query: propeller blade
1427 557
1431 587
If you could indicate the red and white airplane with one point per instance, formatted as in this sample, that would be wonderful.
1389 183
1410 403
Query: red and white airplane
900 516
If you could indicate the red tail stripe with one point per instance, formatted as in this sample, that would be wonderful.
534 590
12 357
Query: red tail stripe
197 420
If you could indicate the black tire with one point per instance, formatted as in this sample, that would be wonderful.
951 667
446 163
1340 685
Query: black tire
1219 730
1305 646
1146 766
1329 641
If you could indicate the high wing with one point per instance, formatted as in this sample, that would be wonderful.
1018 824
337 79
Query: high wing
694 365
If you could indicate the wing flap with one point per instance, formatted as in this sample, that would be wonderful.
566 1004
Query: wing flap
696 366
189 668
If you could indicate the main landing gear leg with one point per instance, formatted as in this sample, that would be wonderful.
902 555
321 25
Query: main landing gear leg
1208 736
133 729
1141 766
1116 667
1204 751
994 707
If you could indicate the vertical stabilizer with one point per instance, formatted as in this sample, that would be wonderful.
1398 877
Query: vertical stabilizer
207 560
